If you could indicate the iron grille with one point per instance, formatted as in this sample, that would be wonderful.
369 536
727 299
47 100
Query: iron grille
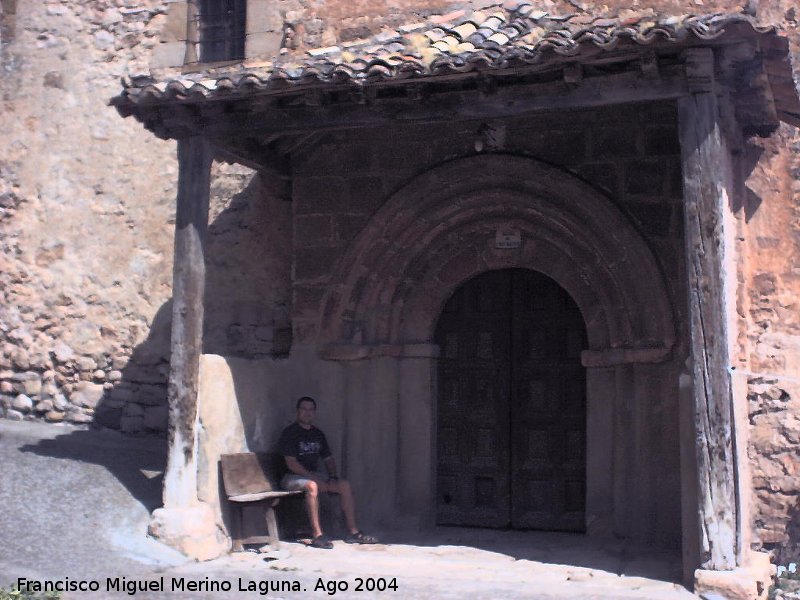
222 30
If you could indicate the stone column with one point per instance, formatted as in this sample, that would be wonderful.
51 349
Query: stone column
185 523
706 181
416 468
600 440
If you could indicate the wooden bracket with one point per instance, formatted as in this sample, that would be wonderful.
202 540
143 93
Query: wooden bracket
486 85
363 95
314 97
699 69
649 65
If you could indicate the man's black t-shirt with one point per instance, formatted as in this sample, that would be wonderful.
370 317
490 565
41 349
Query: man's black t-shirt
306 445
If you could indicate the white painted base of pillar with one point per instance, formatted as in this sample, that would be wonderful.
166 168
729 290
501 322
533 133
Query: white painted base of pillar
750 582
191 530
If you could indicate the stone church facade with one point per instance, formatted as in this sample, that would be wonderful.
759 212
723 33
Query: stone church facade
535 264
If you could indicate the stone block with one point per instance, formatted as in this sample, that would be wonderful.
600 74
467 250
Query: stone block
103 40
313 230
122 394
108 417
654 218
319 194
133 410
263 15
366 194
168 54
79 417
156 418
131 424
190 530
613 141
602 175
263 44
645 177
87 394
49 389
562 147
151 395
54 416
662 141
60 402
175 28
664 113
738 584
22 403
312 263
14 415
347 227
44 406
307 300
32 387
62 352
86 363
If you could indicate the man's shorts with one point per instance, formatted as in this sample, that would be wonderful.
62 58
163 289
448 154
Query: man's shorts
293 481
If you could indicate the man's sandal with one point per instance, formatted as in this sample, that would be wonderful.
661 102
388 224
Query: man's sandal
321 542
360 538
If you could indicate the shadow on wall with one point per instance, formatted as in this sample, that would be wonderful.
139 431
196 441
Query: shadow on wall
248 270
789 552
138 402
247 307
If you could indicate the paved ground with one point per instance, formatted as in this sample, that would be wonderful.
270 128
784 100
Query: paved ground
74 508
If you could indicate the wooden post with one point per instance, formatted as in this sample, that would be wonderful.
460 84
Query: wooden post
191 225
706 182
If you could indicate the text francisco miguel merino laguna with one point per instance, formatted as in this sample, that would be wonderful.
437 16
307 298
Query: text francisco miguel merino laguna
159 584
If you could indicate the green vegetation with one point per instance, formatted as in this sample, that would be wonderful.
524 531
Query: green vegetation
15 594
786 583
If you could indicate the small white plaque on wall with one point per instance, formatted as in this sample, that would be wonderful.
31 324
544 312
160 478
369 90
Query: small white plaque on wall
507 237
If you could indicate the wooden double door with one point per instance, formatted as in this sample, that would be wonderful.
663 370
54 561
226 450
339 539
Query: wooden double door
511 414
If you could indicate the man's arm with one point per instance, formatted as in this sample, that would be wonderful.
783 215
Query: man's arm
330 465
295 467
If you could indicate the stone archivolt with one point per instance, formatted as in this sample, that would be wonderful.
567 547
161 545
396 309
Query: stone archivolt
439 231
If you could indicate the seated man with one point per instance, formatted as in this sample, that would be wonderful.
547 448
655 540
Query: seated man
302 445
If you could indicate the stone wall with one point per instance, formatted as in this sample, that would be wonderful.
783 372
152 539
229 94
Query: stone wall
769 306
629 153
86 204
86 225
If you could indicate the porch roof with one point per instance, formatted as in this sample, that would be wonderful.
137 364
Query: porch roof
514 38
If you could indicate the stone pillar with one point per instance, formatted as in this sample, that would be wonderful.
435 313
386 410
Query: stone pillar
600 440
706 181
416 468
186 523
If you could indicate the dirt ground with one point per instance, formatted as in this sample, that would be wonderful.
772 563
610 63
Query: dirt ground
75 506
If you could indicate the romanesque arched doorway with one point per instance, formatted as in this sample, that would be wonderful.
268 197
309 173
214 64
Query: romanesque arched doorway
379 315
511 408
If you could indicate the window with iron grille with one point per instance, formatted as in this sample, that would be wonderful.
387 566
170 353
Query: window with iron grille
221 29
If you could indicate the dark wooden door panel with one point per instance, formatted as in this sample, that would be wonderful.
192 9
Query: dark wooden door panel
511 410
547 406
473 331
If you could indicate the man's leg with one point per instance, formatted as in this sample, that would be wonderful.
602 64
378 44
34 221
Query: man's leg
312 507
346 499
